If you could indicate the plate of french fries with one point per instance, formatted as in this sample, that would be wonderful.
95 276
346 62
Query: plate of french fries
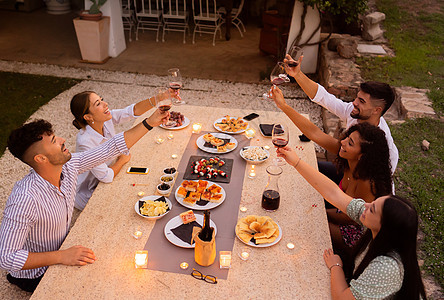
153 207
231 125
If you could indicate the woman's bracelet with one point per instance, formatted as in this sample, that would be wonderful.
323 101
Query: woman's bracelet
336 264
297 162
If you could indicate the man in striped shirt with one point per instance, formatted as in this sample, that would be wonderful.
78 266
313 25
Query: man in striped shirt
38 212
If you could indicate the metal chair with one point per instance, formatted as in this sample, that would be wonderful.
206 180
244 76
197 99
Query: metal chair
128 17
149 16
235 12
175 17
206 18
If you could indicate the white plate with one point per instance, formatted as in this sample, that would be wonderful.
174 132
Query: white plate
153 197
185 123
177 221
250 243
241 153
229 132
200 142
209 205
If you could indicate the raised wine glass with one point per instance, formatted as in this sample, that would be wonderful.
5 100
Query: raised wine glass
165 103
295 52
175 82
277 77
280 138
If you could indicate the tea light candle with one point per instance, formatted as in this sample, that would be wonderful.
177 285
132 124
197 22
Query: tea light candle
159 140
197 127
290 246
137 234
266 147
170 136
184 265
174 156
141 194
250 133
243 209
244 255
252 172
225 259
141 259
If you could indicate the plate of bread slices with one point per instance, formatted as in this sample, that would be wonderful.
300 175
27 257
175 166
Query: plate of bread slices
182 225
258 231
231 125
200 194
215 142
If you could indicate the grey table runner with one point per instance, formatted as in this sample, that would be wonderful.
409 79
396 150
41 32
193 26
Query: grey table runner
164 256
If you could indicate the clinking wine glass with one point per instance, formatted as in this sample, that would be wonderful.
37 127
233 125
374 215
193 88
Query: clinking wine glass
295 52
175 82
277 77
280 138
164 103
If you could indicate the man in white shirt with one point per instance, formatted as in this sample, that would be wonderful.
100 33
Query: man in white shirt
372 101
38 212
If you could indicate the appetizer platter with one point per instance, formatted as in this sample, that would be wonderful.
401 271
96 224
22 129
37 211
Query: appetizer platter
258 231
254 154
231 125
180 119
216 143
178 221
153 207
200 194
209 168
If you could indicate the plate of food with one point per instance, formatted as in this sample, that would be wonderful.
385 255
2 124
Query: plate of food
180 119
258 231
231 125
254 154
183 227
153 207
215 142
200 194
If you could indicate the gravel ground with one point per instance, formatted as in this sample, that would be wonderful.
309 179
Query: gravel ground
120 89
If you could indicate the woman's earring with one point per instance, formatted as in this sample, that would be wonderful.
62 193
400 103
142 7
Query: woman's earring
92 122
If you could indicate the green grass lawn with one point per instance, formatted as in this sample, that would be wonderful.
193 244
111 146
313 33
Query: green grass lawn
22 95
415 30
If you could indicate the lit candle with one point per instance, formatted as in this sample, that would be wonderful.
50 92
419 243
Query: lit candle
197 127
174 156
290 246
141 259
250 133
252 172
266 147
141 194
184 265
224 259
243 209
170 136
159 139
137 234
244 255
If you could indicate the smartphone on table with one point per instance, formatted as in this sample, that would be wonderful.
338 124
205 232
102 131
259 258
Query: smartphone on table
251 116
138 170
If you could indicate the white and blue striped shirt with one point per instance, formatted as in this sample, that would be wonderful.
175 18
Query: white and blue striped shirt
37 214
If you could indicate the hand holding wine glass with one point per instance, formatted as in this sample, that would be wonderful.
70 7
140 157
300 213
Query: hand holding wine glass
280 138
175 83
278 76
164 104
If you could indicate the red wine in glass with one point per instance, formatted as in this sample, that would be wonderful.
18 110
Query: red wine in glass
175 85
271 200
165 107
278 81
292 64
279 142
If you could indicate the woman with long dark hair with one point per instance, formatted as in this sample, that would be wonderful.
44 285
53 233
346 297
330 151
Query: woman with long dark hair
389 268
362 158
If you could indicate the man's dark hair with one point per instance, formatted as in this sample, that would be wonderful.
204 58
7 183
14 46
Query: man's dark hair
23 137
379 91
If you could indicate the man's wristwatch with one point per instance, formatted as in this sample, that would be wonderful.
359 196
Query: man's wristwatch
147 126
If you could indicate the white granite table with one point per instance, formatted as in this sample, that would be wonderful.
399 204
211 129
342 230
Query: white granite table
108 221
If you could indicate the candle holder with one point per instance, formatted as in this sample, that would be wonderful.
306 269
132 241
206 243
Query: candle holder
141 259
184 265
266 147
252 172
243 209
250 133
290 246
197 127
141 194
244 254
159 139
224 259
174 156
170 136
137 234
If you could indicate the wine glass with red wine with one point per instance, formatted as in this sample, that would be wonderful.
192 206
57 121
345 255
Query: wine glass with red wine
280 138
295 52
164 103
175 82
277 77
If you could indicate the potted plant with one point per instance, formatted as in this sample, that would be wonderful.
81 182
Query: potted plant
58 7
92 32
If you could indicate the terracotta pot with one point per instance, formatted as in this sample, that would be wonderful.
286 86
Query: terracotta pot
85 15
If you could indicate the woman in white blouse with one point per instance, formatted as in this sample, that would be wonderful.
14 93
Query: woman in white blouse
95 122
386 264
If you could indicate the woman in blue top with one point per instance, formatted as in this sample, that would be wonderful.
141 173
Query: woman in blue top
389 267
